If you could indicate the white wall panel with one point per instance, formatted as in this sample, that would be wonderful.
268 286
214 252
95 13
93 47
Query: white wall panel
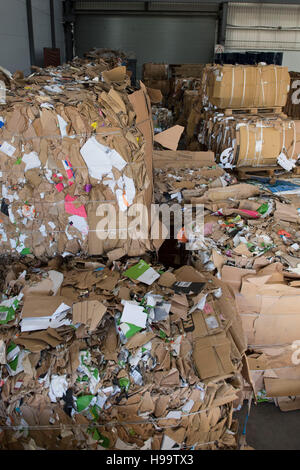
263 26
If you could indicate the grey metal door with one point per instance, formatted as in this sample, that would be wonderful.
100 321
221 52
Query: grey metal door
169 39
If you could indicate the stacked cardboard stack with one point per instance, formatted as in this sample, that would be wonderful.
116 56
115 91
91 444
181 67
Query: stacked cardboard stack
267 299
243 120
121 355
71 138
184 92
157 76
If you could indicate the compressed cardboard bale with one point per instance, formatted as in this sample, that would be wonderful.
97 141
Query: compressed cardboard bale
187 70
69 143
162 85
155 71
244 86
250 140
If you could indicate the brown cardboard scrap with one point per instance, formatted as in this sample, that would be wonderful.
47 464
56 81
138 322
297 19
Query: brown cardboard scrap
89 312
288 403
235 192
39 306
233 276
179 305
286 212
282 388
116 254
184 159
139 340
167 279
154 95
37 341
114 75
212 356
169 138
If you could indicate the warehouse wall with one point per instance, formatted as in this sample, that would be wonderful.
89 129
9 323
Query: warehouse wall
265 27
42 28
168 39
291 59
14 50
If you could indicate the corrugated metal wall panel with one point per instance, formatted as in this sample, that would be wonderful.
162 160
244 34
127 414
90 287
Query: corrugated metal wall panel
263 27
166 39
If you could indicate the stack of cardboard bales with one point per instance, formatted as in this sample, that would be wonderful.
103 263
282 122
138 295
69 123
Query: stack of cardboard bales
73 138
186 84
243 120
156 76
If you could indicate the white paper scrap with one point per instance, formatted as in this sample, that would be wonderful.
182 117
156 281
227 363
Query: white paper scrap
31 160
100 159
8 149
62 126
58 387
134 314
149 276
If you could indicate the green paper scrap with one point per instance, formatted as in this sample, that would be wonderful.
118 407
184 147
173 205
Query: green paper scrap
18 162
263 208
137 270
13 363
8 308
82 379
11 347
97 436
162 334
133 329
26 251
83 402
124 383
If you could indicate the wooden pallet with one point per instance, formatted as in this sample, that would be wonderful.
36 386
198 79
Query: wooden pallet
245 172
271 110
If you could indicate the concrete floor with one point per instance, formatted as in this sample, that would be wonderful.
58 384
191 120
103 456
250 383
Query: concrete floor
269 428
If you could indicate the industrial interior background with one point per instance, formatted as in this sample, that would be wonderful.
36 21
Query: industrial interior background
160 31
152 31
